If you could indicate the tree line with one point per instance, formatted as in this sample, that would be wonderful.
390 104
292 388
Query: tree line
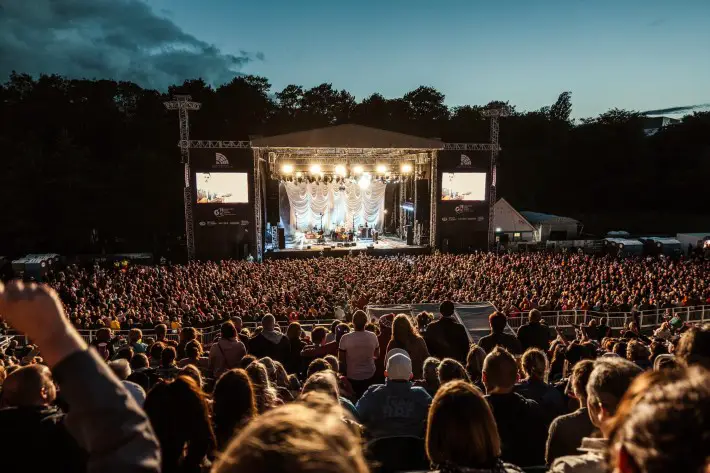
85 155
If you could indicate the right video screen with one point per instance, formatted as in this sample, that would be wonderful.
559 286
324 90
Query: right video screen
463 186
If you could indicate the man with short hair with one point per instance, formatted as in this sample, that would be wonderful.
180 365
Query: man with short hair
498 322
608 382
534 333
357 353
29 419
567 431
396 408
161 335
446 338
521 422
694 347
270 342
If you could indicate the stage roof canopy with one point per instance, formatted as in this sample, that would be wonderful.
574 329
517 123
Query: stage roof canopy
347 136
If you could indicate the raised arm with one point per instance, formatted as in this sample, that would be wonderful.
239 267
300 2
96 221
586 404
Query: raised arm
104 419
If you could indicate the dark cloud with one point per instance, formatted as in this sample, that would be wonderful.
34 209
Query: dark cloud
107 39
686 108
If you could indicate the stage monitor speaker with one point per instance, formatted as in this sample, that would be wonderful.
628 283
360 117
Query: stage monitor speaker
327 248
421 206
272 202
410 235
282 239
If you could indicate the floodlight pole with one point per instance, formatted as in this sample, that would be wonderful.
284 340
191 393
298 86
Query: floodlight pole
183 103
494 115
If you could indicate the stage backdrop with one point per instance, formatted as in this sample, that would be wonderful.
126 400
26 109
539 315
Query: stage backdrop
345 205
462 200
223 197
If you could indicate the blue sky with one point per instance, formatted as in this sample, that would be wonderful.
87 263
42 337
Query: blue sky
634 54
627 53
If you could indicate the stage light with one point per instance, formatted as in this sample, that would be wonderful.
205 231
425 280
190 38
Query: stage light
299 174
364 181
287 168
315 169
340 170
357 170
406 168
498 229
381 169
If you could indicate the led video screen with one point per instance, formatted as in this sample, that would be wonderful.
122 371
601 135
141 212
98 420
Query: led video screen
463 186
222 188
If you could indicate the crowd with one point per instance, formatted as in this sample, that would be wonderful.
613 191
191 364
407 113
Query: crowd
204 294
361 395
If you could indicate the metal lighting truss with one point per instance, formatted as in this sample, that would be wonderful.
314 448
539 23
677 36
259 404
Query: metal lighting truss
494 115
184 103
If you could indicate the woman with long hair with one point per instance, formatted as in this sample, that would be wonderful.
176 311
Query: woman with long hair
264 392
294 362
179 414
234 404
405 336
462 433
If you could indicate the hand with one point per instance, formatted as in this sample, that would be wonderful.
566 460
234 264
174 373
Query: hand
37 312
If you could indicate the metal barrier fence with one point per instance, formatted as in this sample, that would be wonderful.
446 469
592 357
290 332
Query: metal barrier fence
616 320
206 335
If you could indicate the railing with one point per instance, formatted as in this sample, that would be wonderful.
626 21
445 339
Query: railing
206 335
561 318
615 320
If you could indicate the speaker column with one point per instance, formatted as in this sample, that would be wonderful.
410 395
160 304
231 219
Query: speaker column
272 202
421 207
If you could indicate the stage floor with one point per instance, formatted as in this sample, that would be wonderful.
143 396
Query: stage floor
385 245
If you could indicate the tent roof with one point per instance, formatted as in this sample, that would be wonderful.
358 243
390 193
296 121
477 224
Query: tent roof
347 136
537 217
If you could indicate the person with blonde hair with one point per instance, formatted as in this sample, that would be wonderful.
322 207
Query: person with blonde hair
295 438
461 432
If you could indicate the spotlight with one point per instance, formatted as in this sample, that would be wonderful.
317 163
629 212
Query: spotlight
499 230
340 170
357 170
287 168
406 168
381 169
315 169
299 174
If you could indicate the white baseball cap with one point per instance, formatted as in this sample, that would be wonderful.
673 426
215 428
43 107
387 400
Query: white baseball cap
399 365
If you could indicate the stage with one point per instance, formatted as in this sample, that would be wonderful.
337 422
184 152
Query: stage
385 245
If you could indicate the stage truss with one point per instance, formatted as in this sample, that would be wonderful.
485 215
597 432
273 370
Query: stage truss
420 157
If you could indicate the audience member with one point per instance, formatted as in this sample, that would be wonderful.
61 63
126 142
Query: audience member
607 384
358 352
567 431
461 434
520 421
233 405
451 370
179 413
474 366
446 338
534 333
498 337
270 342
535 387
396 408
405 337
227 352
694 346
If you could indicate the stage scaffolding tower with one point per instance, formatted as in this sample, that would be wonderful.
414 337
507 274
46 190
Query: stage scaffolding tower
494 115
184 103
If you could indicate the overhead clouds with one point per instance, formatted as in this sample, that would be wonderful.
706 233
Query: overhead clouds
107 39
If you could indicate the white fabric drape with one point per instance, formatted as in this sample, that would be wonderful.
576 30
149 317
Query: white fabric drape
350 207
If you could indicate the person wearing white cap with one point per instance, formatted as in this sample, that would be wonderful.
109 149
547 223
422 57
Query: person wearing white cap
396 408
